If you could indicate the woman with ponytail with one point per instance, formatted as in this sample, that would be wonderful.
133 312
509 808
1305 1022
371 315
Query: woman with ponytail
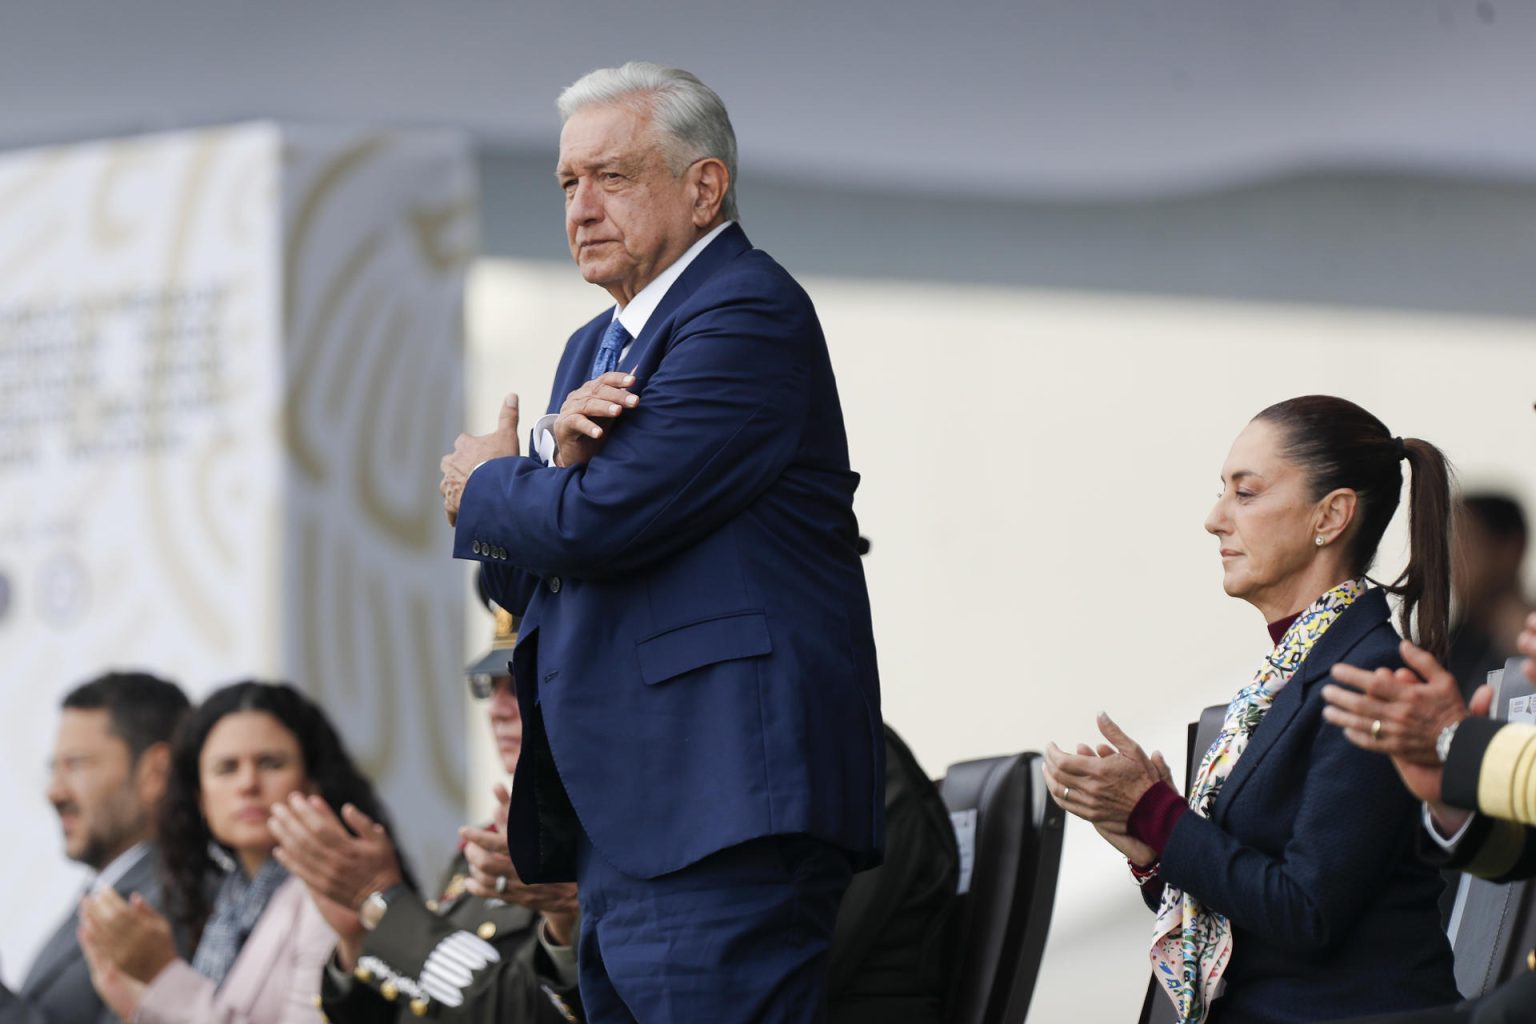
1286 887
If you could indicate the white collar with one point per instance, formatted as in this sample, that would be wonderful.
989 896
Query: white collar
634 315
120 866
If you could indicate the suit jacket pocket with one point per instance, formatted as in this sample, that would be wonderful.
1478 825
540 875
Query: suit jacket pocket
684 648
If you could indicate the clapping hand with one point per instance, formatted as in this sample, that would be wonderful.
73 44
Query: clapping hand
1102 785
492 876
340 868
121 993
128 933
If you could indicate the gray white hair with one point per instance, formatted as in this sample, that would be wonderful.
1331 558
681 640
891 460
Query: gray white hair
690 116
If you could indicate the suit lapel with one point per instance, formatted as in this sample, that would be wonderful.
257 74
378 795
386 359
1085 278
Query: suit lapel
728 245
140 878
1347 630
61 950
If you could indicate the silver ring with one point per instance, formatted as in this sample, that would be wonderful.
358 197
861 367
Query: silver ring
1376 729
1066 791
501 884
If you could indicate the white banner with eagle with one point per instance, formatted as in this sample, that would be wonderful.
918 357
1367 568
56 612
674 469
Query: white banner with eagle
229 362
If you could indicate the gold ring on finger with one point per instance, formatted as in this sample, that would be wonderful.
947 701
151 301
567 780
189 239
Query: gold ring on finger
1376 729
1066 792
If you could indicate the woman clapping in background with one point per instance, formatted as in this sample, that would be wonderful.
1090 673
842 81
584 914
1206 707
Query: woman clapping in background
262 942
1287 889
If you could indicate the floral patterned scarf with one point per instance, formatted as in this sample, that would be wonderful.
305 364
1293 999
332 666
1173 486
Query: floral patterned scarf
1191 945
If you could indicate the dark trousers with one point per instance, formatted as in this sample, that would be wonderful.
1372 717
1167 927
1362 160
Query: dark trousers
741 937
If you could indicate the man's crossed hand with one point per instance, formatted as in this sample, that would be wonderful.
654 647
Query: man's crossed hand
578 433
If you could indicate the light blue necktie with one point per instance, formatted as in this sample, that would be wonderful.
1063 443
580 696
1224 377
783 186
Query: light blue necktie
614 340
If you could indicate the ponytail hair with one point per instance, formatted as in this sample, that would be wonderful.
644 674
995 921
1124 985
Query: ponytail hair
1341 446
1426 582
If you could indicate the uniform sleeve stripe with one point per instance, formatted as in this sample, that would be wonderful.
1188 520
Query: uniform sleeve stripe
451 966
1507 783
451 974
442 993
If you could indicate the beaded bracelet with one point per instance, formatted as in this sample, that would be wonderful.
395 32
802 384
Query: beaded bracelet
1141 876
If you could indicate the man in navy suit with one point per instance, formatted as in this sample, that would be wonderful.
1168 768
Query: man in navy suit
696 668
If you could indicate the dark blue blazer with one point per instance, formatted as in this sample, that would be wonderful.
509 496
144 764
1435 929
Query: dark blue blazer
1310 851
696 639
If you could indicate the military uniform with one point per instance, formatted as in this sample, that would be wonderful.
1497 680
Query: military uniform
454 958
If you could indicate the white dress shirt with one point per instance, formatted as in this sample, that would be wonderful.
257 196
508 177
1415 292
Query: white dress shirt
1447 843
120 866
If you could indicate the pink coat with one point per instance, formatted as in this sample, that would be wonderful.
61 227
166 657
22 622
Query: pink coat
274 980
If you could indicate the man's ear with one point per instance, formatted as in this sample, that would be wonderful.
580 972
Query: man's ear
1335 514
152 773
710 181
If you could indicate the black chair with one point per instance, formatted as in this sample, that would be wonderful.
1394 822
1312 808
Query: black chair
1492 931
1010 849
1157 1008
1493 927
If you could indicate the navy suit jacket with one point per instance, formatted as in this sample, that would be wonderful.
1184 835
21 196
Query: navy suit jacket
695 647
1310 851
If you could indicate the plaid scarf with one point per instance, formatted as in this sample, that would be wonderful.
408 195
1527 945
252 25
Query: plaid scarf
1191 945
236 910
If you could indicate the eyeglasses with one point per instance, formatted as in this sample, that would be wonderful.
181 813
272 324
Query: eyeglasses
482 685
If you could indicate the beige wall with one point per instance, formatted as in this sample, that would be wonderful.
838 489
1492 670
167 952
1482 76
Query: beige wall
1036 469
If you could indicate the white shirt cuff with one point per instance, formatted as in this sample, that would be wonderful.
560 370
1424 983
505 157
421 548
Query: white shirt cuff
544 438
339 978
1445 843
563 957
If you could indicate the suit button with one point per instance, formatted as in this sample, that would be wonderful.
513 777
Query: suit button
501 553
554 584
475 547
1530 959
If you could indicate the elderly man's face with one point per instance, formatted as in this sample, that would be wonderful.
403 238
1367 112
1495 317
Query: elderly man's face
627 216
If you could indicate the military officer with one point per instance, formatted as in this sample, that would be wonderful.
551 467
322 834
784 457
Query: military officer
482 948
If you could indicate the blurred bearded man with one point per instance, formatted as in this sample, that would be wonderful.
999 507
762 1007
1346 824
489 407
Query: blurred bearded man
110 760
696 671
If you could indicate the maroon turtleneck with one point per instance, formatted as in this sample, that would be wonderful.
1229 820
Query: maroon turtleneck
1161 807
1277 629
